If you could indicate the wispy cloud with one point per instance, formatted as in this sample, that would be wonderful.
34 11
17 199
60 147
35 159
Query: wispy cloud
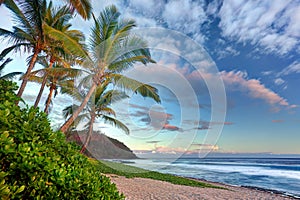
267 73
291 69
270 25
227 51
205 125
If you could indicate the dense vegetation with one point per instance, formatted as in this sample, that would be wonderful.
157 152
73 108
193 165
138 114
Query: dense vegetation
38 163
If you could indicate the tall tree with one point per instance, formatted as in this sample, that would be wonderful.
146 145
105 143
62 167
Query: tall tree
27 33
97 108
112 50
57 51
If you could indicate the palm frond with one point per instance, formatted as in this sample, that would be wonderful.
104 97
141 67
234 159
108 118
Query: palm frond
110 97
15 47
33 78
104 26
104 111
19 16
125 54
71 45
68 111
83 7
71 91
138 87
10 75
8 60
57 72
115 123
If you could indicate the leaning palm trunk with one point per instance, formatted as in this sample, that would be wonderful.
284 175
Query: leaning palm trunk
38 98
69 122
89 136
52 88
29 69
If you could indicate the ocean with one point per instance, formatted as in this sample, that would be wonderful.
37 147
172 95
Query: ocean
278 174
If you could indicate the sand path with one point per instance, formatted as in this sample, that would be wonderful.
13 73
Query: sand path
148 189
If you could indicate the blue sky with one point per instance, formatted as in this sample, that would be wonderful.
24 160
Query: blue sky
252 46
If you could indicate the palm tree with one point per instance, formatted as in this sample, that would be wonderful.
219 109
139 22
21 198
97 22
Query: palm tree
9 75
28 33
57 51
97 107
113 49
56 77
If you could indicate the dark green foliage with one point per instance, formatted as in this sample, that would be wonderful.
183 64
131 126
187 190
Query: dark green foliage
37 163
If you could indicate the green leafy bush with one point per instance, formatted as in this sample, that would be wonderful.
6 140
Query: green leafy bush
38 163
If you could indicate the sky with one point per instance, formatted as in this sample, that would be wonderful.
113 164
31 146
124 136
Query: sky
227 73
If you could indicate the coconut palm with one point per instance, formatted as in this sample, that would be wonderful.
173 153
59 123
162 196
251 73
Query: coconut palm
57 76
28 33
57 51
113 49
97 108
9 75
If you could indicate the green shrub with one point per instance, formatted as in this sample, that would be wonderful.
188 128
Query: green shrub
38 163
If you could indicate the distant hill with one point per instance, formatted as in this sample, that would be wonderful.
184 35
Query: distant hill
102 146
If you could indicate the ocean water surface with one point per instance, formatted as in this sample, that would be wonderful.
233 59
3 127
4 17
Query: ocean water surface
280 174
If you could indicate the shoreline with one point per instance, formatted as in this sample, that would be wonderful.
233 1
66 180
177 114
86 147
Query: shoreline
271 191
144 188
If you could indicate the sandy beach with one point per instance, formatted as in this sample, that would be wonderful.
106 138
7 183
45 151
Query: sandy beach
148 189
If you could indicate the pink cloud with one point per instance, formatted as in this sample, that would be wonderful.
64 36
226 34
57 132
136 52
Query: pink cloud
170 127
194 148
277 121
254 87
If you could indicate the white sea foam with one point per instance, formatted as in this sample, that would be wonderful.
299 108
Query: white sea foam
247 170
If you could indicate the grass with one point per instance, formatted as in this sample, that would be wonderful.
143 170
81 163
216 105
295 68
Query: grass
120 169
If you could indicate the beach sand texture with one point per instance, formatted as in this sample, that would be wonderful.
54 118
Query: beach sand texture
148 189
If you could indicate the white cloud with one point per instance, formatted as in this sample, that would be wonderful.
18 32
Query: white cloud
228 51
279 81
266 73
271 25
185 16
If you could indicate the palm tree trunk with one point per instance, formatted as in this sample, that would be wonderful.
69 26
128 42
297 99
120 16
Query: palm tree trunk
68 123
49 99
38 98
29 69
89 136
